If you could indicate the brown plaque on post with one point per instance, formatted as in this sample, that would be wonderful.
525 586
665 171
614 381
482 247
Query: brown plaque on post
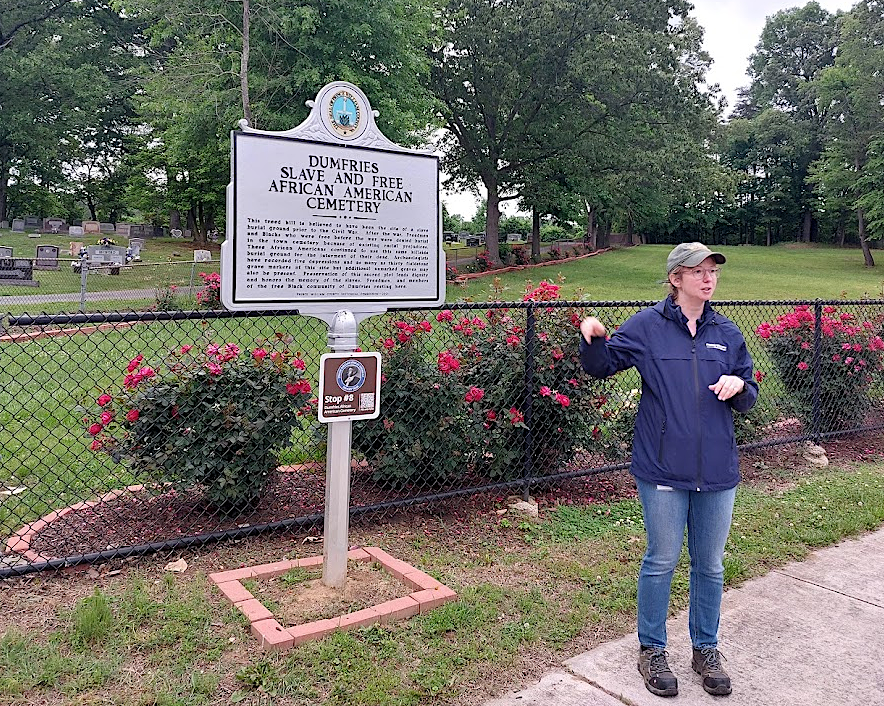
349 386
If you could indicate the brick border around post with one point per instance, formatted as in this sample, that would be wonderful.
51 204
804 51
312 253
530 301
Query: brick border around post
428 593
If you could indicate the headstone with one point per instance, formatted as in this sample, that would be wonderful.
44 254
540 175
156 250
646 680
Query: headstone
75 248
4 225
90 227
54 225
17 271
213 235
5 252
176 233
513 237
502 237
76 231
32 223
136 245
47 257
106 227
18 225
202 255
137 230
448 237
106 256
472 241
188 234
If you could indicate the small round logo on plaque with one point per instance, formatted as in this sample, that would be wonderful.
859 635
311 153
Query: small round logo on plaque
344 112
350 376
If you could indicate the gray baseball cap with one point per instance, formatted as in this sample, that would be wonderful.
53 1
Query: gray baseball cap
691 255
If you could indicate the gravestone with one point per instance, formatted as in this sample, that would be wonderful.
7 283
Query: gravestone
18 225
108 257
188 234
76 231
75 248
124 229
176 233
160 232
32 223
91 227
513 237
136 245
4 225
5 252
472 241
502 238
107 228
213 235
54 225
47 257
18 271
202 255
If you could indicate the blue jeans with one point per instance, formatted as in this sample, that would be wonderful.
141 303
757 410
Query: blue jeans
707 516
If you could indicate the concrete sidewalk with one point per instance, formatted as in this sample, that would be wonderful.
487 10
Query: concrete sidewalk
806 634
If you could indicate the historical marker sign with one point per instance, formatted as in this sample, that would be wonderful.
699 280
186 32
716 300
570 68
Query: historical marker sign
349 386
332 212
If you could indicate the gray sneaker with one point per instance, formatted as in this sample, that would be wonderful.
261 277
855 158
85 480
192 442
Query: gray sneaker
707 663
654 668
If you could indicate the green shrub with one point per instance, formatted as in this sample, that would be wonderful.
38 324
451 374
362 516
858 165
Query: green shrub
206 417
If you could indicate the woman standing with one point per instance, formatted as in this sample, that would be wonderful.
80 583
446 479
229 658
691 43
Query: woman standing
695 371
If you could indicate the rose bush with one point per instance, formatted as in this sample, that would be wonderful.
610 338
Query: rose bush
465 408
212 416
850 358
209 296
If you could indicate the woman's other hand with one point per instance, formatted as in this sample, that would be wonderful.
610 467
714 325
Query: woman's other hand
591 327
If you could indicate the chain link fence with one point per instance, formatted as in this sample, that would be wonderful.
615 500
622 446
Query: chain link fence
132 432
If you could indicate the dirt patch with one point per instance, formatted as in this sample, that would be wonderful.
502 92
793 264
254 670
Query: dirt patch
301 597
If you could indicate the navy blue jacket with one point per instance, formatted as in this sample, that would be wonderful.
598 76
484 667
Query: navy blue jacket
684 435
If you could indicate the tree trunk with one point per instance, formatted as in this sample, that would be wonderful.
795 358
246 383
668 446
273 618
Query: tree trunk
841 232
591 237
492 223
806 222
603 236
174 219
768 234
535 234
4 186
863 241
244 64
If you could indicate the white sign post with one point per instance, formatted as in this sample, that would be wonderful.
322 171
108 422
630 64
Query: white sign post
333 220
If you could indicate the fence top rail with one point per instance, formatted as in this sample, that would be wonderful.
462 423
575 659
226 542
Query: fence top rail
147 316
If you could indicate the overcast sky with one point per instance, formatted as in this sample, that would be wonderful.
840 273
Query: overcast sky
733 28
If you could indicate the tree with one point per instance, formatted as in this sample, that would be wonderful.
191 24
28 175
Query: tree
850 93
523 82
215 62
64 95
23 16
795 46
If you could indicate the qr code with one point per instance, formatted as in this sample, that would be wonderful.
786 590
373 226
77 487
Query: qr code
366 401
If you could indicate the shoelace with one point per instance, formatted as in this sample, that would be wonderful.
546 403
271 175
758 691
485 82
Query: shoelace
658 663
712 658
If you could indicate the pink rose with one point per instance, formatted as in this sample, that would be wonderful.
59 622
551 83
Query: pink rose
106 417
474 394
259 354
104 400
95 429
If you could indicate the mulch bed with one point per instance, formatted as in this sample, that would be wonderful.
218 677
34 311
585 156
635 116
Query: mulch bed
145 517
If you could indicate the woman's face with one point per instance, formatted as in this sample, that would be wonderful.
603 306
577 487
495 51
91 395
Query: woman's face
696 284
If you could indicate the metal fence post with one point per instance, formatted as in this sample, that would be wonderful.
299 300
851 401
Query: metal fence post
190 287
84 275
817 370
527 438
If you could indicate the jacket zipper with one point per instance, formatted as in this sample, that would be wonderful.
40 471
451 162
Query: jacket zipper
660 449
697 406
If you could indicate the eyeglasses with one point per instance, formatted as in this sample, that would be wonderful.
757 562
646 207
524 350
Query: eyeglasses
700 273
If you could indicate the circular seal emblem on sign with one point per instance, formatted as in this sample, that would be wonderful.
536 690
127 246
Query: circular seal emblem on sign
350 375
344 112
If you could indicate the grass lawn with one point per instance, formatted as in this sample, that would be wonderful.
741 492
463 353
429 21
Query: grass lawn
778 272
531 593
